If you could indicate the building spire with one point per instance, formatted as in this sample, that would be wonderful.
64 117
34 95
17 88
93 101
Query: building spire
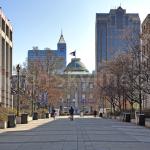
61 39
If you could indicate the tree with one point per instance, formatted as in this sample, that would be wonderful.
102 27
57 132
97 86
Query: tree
43 84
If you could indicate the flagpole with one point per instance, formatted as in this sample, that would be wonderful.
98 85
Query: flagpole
75 59
74 54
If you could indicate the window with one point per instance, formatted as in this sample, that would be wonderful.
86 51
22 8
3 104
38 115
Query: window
10 60
83 96
91 85
143 48
126 20
10 35
91 96
7 30
3 25
7 55
3 52
83 86
119 19
112 20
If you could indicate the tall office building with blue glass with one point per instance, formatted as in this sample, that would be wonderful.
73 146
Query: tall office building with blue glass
48 57
115 32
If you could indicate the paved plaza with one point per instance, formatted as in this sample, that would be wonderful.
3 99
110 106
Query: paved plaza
80 134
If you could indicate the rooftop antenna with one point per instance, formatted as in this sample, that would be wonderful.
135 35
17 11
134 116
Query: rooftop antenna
61 32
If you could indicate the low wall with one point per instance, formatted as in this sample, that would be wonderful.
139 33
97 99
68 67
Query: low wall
147 122
133 121
30 118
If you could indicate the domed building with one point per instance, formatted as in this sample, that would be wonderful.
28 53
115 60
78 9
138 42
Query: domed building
79 87
76 67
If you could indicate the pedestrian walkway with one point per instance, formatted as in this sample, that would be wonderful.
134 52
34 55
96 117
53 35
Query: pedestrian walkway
31 124
80 134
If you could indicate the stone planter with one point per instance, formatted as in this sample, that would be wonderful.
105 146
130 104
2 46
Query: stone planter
140 119
3 124
47 115
18 119
127 117
11 121
24 118
35 116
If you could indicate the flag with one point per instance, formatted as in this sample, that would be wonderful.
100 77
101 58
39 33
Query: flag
73 53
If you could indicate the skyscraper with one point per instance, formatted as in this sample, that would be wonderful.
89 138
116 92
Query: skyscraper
50 59
5 59
114 32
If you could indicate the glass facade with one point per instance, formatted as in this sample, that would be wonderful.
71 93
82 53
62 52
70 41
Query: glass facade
50 56
114 32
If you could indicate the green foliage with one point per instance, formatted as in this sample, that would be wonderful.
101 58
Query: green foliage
42 110
11 111
4 112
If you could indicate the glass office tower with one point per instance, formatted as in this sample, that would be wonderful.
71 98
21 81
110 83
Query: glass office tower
115 32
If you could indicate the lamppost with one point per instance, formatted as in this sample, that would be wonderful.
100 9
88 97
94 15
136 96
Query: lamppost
18 101
123 85
83 101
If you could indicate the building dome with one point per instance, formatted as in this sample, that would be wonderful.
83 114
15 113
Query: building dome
76 66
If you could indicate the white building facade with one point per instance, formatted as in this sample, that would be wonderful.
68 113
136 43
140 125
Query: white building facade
6 46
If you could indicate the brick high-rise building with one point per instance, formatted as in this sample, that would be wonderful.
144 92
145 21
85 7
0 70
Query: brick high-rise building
146 36
146 52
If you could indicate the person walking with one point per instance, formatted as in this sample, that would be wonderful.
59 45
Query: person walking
71 112
95 113
53 113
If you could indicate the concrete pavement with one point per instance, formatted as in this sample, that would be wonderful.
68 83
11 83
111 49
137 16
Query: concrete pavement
80 134
31 124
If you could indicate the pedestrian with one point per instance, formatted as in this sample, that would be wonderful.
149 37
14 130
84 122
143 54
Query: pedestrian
95 113
53 113
71 112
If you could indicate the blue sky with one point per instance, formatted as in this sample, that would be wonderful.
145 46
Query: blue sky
39 23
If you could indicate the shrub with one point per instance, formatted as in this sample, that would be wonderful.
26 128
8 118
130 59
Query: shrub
5 111
3 114
42 110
